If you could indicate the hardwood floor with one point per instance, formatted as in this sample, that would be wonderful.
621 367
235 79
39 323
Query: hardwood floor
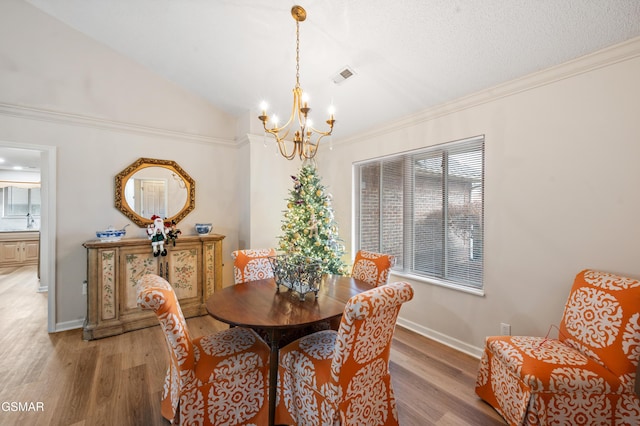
118 380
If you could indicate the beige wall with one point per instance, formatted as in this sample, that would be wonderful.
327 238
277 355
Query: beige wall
269 191
561 191
101 112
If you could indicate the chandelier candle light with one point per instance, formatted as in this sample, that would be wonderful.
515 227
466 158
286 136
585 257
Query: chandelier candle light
304 144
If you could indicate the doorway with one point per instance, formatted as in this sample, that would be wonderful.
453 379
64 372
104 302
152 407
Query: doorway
47 264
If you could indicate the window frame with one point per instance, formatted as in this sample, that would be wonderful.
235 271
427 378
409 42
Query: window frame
407 266
30 204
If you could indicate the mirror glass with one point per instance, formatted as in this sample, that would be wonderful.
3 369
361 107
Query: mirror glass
151 187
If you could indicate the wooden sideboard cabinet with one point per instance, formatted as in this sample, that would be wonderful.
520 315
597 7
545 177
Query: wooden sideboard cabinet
193 267
19 248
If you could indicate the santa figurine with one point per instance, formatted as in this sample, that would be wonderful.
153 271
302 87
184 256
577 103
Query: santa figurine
157 235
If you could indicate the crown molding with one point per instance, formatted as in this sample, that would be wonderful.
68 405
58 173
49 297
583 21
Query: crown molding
51 116
622 52
627 50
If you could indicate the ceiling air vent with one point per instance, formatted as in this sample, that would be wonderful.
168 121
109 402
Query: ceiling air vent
343 74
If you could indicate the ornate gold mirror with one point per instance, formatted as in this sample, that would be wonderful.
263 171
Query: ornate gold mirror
151 187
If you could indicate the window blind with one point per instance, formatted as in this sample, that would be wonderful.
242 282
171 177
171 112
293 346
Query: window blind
426 207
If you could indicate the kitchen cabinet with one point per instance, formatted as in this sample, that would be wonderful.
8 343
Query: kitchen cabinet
19 248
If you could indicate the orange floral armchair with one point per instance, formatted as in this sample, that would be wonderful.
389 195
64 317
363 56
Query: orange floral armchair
218 379
342 377
252 264
586 376
372 267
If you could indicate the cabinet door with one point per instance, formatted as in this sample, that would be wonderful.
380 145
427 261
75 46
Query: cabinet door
183 267
30 251
10 251
135 263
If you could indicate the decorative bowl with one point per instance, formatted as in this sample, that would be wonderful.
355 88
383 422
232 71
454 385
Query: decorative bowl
111 234
203 228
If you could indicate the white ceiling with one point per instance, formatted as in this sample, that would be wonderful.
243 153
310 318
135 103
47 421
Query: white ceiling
409 55
25 159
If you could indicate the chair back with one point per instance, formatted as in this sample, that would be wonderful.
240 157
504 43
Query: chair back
156 294
360 364
252 264
372 267
602 320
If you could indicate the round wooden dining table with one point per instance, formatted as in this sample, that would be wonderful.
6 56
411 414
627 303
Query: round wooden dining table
261 306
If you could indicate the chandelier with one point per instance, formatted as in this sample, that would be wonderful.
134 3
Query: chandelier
306 139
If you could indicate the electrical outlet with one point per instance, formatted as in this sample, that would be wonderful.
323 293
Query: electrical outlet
505 329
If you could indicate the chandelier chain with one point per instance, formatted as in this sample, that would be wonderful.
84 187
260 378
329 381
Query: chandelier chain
297 54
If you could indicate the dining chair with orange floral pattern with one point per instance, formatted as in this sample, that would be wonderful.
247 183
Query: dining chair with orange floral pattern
372 267
217 379
342 377
586 375
252 264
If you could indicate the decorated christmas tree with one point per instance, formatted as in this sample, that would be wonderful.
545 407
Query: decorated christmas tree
309 226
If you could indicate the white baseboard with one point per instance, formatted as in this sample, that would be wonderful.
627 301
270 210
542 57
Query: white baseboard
69 325
424 331
441 338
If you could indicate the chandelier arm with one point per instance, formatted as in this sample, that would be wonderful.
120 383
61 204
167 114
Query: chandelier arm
298 107
275 130
321 134
302 121
277 135
283 150
282 145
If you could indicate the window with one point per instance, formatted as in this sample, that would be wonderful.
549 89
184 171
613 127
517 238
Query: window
18 201
426 208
